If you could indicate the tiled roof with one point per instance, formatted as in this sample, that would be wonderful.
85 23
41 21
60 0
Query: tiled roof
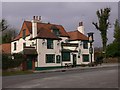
76 35
44 33
5 48
43 30
24 26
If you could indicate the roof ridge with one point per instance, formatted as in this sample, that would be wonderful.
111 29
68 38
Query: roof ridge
72 31
44 23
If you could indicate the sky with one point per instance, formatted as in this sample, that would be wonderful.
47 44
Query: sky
67 14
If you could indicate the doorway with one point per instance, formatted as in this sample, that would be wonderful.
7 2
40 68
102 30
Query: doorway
74 60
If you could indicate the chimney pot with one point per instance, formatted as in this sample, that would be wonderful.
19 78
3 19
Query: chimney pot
33 17
80 23
39 17
36 17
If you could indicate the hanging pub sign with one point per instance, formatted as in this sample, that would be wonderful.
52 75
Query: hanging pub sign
90 50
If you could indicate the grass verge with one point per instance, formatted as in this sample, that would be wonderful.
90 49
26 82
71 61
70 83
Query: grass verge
6 73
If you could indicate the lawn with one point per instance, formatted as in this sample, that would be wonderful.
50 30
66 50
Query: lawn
6 73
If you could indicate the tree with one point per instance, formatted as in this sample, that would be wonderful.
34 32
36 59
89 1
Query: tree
113 49
117 36
3 25
8 33
103 25
117 31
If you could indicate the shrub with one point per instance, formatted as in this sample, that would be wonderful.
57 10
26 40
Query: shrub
113 50
83 65
8 62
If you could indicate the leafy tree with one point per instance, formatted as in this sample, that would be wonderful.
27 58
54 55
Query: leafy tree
117 31
113 49
103 24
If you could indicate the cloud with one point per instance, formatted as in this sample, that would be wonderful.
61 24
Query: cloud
68 14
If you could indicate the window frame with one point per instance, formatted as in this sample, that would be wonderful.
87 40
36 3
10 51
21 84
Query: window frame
84 56
64 58
15 46
58 58
56 32
85 44
50 60
50 44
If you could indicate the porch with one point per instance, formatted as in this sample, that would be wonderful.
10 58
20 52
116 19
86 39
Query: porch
31 57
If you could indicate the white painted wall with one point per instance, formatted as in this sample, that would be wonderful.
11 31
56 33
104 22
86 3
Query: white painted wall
83 51
63 39
19 44
42 51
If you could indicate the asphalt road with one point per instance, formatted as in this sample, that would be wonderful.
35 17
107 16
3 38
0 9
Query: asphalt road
89 78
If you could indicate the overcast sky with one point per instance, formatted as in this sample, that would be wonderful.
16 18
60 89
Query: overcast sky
67 14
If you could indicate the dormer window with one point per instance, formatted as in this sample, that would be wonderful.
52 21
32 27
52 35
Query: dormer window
24 34
55 30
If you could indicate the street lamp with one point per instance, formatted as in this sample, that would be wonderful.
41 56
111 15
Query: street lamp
90 38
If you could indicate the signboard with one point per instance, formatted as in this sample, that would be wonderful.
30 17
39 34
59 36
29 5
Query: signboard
90 50
70 44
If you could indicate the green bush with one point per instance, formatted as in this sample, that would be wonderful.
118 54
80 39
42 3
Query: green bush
8 62
113 50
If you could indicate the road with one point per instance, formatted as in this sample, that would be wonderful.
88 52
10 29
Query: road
89 78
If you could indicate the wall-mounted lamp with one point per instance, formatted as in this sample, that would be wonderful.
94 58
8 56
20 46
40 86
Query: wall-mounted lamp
43 42
90 37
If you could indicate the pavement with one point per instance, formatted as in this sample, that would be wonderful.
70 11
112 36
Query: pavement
104 65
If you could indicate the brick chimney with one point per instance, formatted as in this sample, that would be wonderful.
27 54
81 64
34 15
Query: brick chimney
80 28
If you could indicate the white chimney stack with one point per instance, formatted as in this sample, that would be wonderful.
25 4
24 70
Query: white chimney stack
80 28
34 26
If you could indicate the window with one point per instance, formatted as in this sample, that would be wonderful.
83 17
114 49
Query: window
24 44
24 33
49 44
85 45
56 32
50 58
86 58
58 59
65 56
15 46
